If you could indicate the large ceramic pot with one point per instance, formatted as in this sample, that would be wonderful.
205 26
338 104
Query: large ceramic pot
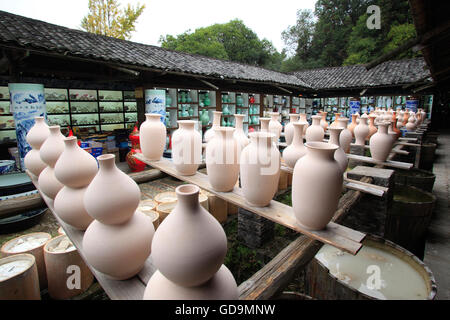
289 128
222 160
345 138
239 133
372 128
260 169
353 124
209 134
186 148
304 120
316 186
190 245
361 131
35 138
315 132
112 196
380 143
153 136
323 120
339 154
296 150
275 126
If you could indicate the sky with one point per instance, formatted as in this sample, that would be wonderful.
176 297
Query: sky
267 18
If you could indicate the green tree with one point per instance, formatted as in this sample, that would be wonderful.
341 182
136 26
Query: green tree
397 36
106 18
298 38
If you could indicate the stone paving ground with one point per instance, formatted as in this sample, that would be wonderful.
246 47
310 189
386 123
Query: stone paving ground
437 248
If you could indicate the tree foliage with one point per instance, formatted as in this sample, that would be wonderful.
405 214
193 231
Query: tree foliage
106 18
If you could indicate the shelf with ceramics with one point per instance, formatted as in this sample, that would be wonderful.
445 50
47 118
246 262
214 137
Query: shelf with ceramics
57 107
130 106
84 107
4 108
4 93
111 118
129 96
82 95
110 106
110 95
113 126
62 120
130 116
85 119
7 122
55 94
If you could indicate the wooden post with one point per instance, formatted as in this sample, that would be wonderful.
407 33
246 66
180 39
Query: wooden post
140 104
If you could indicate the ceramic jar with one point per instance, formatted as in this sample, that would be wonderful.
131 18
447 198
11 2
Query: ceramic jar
316 186
289 128
323 120
296 150
304 120
339 154
345 138
239 133
186 148
222 160
209 134
275 126
361 131
153 136
353 124
315 132
50 151
372 128
260 169
35 138
380 143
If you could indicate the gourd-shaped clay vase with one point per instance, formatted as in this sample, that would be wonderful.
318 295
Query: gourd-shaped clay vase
153 136
339 154
239 133
353 124
316 186
289 128
336 117
323 120
361 131
209 134
400 119
380 143
260 169
190 245
315 132
372 128
345 138
120 249
304 120
222 160
296 150
50 152
411 124
186 148
35 138
275 126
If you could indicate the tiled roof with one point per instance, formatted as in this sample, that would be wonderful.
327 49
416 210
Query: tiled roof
44 36
393 72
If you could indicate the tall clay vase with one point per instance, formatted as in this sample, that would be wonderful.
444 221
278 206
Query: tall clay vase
296 150
153 136
315 132
239 133
222 160
190 245
304 120
36 137
120 246
186 148
353 124
264 124
323 120
336 117
345 138
260 169
316 186
50 152
380 143
75 168
209 134
372 128
361 131
405 117
275 126
339 154
411 125
289 128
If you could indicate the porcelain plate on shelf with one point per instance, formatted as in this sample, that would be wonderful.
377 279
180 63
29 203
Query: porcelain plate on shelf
15 183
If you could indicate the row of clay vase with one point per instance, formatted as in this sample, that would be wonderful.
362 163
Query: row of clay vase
289 128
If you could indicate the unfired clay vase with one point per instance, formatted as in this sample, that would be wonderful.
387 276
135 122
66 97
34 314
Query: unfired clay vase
186 148
345 138
296 150
48 184
323 120
303 119
112 196
260 169
405 117
315 132
411 124
380 143
353 124
337 115
361 131
289 128
400 119
372 128
275 126
264 124
239 133
153 136
69 206
190 245
339 154
36 137
316 186
209 134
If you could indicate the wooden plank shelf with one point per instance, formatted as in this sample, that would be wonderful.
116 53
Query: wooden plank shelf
387 163
336 235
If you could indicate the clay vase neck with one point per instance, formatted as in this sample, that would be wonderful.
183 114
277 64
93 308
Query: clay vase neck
264 124
317 150
339 154
38 133
274 116
316 120
153 117
303 117
216 118
186 125
239 120
334 136
383 128
297 141
293 118
224 133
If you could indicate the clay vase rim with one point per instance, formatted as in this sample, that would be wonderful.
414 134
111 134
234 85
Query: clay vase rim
265 119
318 145
187 190
152 116
54 129
105 157
237 115
336 128
316 117
224 129
186 123
261 134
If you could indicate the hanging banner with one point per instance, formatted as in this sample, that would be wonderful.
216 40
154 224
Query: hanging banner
155 102
27 102
412 104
